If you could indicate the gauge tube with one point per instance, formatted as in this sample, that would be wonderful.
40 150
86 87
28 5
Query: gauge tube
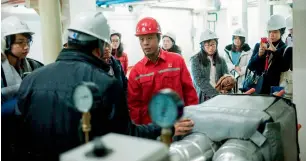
166 108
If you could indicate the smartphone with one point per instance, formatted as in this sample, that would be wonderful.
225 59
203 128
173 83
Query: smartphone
264 40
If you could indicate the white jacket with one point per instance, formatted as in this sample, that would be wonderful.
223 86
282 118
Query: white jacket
243 60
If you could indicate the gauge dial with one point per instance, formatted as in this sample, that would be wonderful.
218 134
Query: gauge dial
163 110
83 98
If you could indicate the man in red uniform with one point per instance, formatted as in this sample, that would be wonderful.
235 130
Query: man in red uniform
159 69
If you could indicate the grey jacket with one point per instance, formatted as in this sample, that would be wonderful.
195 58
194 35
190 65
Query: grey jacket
201 76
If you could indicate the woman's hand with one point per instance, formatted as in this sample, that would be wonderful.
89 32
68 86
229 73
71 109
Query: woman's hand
238 69
262 49
271 47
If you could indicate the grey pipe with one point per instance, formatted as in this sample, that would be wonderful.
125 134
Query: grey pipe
238 150
194 147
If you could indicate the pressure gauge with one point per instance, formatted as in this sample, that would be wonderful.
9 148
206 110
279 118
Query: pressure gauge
84 96
166 108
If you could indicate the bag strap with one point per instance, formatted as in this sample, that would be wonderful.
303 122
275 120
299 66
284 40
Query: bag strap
268 61
286 50
247 72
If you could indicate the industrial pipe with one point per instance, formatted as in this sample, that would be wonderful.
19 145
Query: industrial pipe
49 11
196 146
238 150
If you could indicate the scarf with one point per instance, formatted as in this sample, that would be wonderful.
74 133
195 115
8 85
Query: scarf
13 78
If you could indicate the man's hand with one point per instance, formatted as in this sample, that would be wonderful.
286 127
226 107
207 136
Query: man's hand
183 127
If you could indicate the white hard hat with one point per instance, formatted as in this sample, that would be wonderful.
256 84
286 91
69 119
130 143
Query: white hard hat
289 22
239 32
208 35
12 25
276 22
171 35
92 23
113 32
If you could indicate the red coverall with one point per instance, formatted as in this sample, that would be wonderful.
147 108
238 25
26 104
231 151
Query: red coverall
124 61
147 78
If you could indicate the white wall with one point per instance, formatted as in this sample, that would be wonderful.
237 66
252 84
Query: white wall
174 20
225 29
123 21
285 11
177 21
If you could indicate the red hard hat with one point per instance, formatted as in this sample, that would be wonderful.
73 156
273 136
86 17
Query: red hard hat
147 25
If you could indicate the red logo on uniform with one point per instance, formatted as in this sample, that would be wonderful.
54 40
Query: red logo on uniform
169 65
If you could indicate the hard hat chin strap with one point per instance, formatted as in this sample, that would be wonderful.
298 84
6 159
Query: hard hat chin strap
8 47
10 53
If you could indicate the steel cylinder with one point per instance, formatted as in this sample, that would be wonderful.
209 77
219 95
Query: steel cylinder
238 150
194 147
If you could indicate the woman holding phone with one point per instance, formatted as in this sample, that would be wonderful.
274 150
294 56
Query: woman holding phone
267 58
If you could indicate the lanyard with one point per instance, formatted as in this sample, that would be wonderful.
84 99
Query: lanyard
267 62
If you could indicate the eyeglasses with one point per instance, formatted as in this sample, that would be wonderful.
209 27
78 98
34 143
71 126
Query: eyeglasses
114 40
209 45
23 43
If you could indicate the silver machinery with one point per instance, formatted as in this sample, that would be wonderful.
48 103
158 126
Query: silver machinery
227 128
240 128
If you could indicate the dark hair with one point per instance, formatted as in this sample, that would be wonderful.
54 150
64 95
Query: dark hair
203 54
10 40
282 31
242 39
158 37
118 52
84 46
117 34
174 48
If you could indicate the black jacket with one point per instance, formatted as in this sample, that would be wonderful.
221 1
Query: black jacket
50 124
119 73
7 115
272 77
